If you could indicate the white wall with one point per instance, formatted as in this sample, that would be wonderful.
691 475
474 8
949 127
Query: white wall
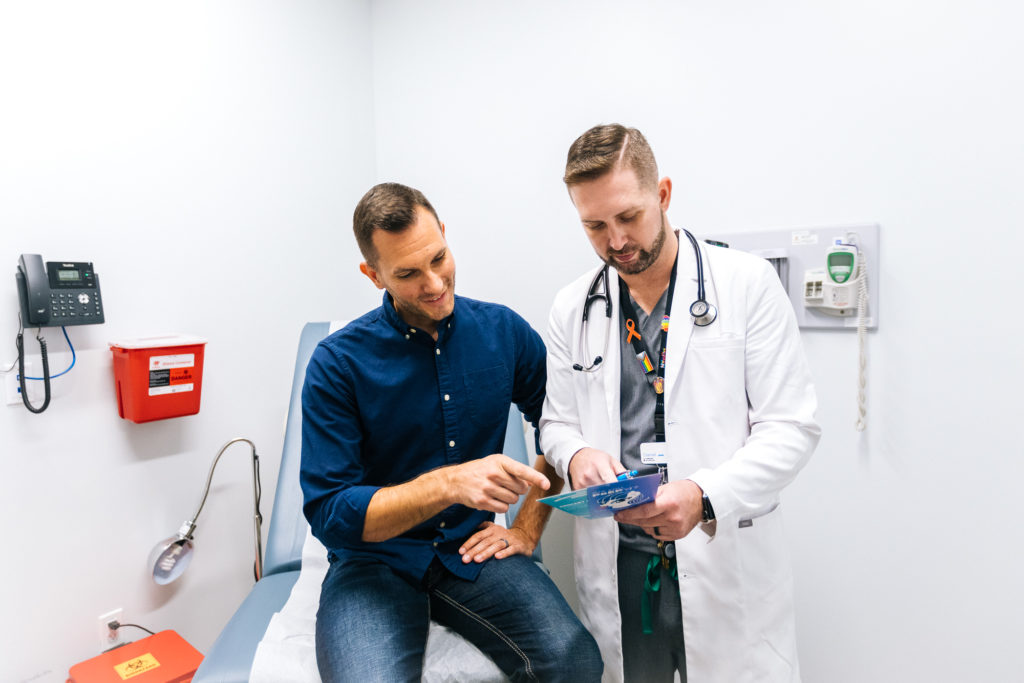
206 157
775 115
226 143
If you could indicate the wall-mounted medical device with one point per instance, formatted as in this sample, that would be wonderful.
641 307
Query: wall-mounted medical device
158 377
830 275
54 294
834 289
797 253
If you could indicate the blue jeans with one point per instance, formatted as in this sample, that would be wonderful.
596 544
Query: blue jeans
372 624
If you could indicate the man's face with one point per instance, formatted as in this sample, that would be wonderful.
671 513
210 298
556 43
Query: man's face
416 267
624 222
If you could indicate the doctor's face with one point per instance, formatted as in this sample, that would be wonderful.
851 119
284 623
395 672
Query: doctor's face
417 269
624 222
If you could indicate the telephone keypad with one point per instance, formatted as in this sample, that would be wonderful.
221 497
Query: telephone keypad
68 307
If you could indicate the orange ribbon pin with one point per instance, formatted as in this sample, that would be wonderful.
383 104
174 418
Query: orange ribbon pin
631 331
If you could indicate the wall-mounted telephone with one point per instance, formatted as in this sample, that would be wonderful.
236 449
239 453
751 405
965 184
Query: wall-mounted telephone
56 294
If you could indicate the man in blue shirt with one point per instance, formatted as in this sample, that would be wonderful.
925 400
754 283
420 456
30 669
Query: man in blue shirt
404 412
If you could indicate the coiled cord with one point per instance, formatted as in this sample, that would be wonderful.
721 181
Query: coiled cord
862 330
21 373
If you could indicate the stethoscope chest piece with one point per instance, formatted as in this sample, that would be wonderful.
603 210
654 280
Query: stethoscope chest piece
703 313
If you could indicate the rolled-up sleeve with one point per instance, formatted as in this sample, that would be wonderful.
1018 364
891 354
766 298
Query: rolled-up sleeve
332 472
530 373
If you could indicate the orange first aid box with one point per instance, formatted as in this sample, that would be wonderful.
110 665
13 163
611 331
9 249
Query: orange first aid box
161 658
158 377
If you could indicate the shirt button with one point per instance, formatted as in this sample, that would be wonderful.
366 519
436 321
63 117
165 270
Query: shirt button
435 544
451 444
406 336
447 397
437 351
442 525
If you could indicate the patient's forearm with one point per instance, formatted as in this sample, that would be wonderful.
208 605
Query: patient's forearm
396 509
491 483
533 515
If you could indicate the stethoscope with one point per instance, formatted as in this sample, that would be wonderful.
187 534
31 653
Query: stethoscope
702 312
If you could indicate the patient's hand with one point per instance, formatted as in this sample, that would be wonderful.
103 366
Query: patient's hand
488 542
492 483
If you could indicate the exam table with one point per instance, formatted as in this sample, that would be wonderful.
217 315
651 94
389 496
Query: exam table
281 593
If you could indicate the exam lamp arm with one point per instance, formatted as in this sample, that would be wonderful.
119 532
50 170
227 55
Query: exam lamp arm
189 527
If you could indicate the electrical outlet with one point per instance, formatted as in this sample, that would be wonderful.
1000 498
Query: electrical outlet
109 637
11 389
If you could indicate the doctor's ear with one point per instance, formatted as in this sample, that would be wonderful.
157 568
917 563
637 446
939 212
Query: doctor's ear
367 270
664 192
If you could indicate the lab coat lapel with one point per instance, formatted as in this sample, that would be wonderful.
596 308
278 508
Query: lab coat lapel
611 374
680 324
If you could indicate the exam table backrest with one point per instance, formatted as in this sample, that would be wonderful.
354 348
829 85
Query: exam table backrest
288 525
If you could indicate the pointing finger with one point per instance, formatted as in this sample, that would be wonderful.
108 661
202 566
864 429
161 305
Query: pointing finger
526 474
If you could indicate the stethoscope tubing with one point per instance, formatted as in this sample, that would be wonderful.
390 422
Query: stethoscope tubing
594 294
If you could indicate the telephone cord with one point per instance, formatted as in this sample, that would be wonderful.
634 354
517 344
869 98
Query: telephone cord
22 378
74 357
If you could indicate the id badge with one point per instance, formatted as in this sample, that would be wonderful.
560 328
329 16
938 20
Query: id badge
654 453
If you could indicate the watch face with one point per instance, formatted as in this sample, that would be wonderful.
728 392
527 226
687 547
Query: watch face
709 512
698 308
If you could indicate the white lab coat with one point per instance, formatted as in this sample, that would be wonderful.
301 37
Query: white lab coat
740 422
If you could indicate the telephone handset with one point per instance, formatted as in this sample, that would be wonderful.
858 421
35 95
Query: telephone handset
55 295
58 294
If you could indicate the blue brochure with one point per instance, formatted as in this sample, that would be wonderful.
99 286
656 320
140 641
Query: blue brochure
604 500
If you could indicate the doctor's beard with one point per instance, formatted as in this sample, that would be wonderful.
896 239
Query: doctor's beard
645 258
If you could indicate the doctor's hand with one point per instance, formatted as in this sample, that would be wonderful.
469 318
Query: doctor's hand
673 514
492 483
589 466
496 541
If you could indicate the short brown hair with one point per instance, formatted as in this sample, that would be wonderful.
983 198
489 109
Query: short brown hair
387 206
603 148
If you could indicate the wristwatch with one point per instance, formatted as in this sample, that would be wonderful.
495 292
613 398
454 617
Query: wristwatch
709 512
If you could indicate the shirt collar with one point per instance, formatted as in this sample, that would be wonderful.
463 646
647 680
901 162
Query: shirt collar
447 325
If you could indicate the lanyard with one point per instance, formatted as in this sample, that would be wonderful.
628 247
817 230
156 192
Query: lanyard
634 340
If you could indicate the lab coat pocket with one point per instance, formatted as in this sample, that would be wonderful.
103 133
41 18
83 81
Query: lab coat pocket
768 594
488 393
763 561
701 339
718 364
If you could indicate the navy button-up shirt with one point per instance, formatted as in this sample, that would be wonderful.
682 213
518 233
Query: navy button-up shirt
384 402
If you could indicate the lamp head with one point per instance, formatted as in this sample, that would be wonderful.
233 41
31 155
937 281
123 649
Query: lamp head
171 557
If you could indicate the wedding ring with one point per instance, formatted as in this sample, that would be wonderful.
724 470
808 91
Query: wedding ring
506 543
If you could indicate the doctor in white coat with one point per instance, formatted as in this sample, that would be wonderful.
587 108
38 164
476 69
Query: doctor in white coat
738 425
